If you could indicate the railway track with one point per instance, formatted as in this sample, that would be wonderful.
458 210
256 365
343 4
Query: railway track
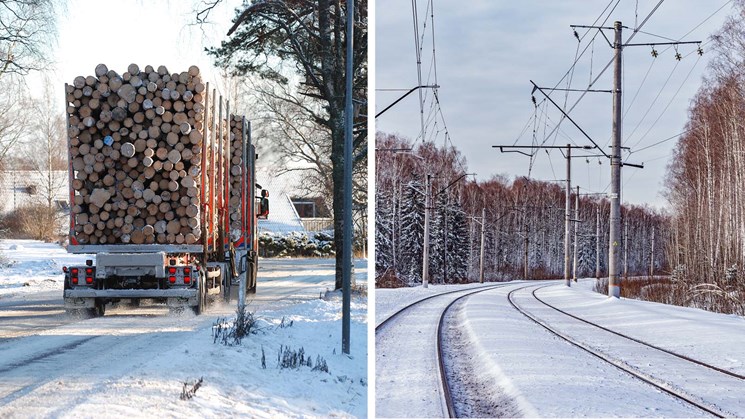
645 377
639 341
445 389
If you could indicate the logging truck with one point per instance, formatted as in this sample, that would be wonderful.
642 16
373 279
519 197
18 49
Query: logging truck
162 191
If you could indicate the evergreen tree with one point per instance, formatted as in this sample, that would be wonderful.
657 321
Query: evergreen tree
383 232
457 242
412 230
437 239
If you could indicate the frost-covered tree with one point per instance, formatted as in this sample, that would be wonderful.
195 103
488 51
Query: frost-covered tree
457 243
383 233
412 229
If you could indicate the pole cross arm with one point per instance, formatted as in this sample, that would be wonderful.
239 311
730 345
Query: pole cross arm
638 166
535 87
654 44
413 89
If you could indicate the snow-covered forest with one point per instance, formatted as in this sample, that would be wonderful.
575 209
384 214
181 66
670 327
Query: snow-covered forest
524 220
706 180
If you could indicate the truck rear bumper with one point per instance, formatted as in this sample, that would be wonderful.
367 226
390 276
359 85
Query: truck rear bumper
124 293
85 298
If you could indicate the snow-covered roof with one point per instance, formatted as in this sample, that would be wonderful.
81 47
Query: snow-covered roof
283 217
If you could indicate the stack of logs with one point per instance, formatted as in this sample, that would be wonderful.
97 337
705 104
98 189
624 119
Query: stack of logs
136 154
237 224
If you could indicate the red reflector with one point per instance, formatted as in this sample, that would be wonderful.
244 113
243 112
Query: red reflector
89 271
74 271
171 270
75 280
187 280
187 271
64 269
88 279
198 268
172 279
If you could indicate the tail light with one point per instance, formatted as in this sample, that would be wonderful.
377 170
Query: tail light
89 271
75 280
172 279
88 279
172 270
74 271
187 271
187 280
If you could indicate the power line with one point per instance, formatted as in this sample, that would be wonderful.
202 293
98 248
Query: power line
669 103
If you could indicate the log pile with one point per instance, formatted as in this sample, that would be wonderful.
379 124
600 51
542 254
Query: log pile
136 154
237 223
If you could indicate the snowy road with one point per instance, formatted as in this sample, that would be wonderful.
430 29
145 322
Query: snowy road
134 361
501 363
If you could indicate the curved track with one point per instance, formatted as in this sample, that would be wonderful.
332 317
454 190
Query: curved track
444 386
713 410
641 342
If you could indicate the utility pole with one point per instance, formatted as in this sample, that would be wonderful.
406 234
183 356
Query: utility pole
568 202
597 242
425 261
614 282
471 235
651 256
445 239
347 217
481 256
527 230
567 217
576 231
625 249
428 200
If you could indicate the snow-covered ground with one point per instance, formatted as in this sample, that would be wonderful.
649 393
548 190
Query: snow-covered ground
515 367
134 361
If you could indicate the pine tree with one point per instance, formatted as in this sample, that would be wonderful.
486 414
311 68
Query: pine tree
383 232
412 230
457 243
437 239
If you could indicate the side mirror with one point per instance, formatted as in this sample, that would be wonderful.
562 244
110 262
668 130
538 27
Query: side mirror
264 205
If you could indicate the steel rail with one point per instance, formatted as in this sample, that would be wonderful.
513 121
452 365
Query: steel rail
618 364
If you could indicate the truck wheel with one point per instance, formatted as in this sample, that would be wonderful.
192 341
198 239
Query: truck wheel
226 291
201 297
251 274
98 311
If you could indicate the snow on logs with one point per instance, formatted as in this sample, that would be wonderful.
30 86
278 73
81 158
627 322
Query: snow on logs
136 154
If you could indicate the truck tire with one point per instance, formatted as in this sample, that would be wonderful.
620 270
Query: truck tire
226 291
251 277
98 311
201 306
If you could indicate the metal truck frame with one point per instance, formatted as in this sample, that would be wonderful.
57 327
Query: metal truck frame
179 275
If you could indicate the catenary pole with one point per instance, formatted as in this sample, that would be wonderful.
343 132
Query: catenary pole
651 256
425 256
614 280
347 228
597 242
481 255
625 248
567 215
576 230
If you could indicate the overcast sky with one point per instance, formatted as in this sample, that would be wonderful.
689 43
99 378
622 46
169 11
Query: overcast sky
486 53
